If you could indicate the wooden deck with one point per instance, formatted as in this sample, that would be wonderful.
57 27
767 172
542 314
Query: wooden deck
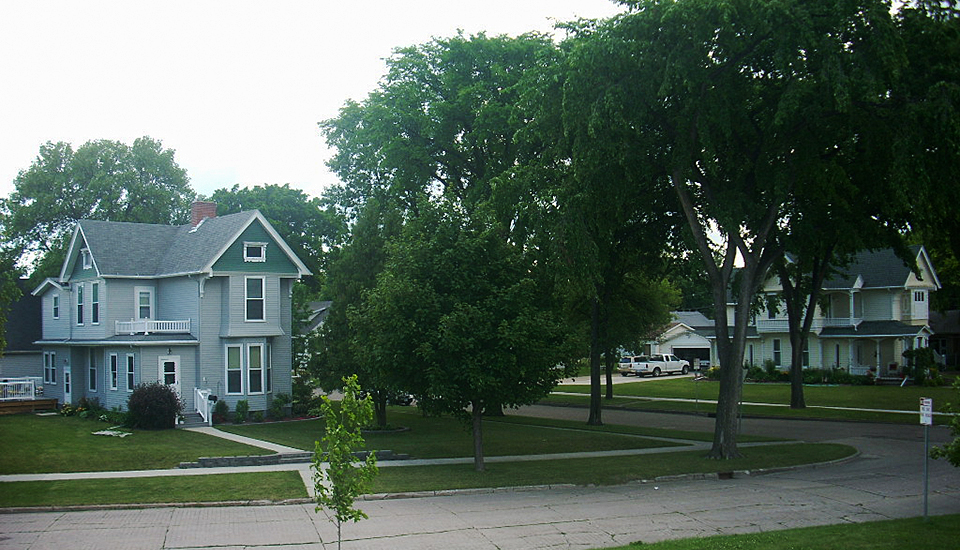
28 405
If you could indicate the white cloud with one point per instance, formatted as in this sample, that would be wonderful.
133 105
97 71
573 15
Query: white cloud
236 88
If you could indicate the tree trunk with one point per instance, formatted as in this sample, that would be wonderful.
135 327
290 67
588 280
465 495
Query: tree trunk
608 356
477 415
380 408
798 341
595 418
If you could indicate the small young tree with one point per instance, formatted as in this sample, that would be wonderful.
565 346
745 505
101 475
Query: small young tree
344 478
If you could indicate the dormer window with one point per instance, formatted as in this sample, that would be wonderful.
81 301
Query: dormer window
86 259
254 252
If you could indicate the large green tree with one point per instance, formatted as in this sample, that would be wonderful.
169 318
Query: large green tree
352 271
102 180
929 95
738 100
440 127
462 317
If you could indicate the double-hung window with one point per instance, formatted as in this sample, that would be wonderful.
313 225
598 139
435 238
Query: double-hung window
50 367
144 302
777 356
114 371
95 303
269 377
255 368
131 378
56 306
80 304
92 378
254 300
234 369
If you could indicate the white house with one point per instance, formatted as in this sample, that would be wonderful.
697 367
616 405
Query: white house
872 312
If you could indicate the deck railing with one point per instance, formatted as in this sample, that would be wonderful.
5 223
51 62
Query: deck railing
147 326
26 388
782 325
201 404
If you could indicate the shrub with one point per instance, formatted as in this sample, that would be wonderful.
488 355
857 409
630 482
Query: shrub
257 416
220 412
277 405
241 411
153 406
115 417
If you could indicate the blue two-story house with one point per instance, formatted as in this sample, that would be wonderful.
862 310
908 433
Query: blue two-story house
204 307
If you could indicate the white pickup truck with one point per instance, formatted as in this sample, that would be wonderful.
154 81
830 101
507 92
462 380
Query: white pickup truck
654 365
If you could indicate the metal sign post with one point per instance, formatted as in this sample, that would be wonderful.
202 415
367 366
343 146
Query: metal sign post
926 419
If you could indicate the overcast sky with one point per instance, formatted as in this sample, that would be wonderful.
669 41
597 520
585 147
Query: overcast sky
235 88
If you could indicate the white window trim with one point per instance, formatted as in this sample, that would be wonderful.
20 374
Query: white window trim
85 258
92 383
56 306
50 367
136 302
268 369
95 303
79 301
131 372
114 372
261 369
258 259
227 369
262 298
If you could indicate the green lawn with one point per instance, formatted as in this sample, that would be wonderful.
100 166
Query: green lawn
938 533
599 471
860 397
446 437
272 486
39 444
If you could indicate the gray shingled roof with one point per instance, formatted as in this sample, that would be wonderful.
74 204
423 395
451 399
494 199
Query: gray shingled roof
879 269
149 250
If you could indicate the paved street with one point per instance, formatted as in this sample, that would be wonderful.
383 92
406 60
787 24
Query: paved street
885 481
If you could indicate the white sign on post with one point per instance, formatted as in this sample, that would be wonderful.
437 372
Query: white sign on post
926 411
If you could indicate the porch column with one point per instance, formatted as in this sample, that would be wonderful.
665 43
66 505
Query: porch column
878 355
850 355
851 308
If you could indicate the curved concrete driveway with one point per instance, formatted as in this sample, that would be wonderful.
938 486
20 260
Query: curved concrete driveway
884 482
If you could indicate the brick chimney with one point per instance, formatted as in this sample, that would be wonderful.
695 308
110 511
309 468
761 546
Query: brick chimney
200 210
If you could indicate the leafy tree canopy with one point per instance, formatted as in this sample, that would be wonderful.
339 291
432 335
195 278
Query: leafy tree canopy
101 180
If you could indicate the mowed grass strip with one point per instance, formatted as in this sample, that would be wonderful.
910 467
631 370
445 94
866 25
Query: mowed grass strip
271 486
599 471
938 533
446 437
41 444
856 397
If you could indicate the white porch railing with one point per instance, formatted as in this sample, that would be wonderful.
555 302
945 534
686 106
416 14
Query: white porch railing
860 370
201 404
782 325
26 388
147 326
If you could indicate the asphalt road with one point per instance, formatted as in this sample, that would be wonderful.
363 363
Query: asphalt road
884 481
